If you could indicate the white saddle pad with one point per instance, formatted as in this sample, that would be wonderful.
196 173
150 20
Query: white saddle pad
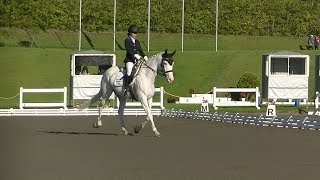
119 79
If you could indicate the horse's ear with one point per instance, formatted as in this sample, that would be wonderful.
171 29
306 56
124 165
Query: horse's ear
173 53
166 51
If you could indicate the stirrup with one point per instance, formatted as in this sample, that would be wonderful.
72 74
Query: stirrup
126 91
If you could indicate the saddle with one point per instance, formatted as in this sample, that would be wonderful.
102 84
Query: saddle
123 70
119 81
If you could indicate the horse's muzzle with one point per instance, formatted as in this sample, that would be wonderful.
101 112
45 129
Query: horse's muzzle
170 79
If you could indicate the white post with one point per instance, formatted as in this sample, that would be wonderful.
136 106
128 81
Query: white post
217 15
182 26
161 97
148 25
114 24
214 94
21 97
80 15
316 101
257 97
65 97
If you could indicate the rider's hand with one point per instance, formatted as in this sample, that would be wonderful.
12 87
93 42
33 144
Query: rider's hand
145 58
137 56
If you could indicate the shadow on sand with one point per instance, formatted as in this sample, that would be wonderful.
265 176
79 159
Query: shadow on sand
82 133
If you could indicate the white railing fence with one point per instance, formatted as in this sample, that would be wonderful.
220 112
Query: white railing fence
227 102
63 104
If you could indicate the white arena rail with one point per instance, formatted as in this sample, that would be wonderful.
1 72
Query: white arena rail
217 101
48 90
75 112
132 108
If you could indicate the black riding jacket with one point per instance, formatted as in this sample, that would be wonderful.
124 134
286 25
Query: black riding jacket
132 49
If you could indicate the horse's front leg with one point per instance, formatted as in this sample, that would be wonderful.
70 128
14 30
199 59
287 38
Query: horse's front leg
143 124
121 115
146 104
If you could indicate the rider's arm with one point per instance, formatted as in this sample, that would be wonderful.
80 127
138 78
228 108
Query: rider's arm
140 49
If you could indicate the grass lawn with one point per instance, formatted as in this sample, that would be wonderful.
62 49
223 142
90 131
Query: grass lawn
198 67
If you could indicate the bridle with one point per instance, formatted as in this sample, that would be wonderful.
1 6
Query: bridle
165 59
162 67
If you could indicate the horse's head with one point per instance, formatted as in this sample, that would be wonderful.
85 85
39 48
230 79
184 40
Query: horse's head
167 65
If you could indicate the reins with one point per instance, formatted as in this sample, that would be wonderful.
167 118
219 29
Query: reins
153 70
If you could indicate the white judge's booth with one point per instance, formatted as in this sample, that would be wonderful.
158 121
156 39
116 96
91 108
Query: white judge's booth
85 85
285 76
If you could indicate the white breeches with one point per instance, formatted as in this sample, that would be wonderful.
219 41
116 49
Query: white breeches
129 66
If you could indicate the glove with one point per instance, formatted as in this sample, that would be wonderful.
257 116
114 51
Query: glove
145 58
137 56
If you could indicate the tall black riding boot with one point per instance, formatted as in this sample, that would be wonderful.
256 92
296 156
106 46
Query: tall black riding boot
126 84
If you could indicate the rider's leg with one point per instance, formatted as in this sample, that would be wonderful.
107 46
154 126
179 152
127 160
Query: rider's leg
129 66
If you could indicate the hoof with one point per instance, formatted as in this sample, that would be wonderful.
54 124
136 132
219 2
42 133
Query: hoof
125 132
157 134
97 124
137 129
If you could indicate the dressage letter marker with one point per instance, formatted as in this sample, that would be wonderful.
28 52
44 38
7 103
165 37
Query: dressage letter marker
271 110
205 107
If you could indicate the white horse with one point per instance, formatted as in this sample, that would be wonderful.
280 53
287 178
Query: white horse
141 88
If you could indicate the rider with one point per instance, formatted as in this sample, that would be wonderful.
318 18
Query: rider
134 53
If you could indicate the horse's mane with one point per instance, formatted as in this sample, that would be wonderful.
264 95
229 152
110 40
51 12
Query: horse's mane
156 55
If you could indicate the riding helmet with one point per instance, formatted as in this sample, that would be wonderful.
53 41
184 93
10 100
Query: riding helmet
133 29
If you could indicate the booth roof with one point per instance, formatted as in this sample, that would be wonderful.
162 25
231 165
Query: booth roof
91 52
284 53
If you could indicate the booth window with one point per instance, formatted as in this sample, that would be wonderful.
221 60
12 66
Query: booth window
297 66
97 64
288 66
279 66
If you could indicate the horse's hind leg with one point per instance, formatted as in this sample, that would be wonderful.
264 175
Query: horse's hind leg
104 98
121 115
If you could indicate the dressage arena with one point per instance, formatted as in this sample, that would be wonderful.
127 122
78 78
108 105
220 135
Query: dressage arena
67 147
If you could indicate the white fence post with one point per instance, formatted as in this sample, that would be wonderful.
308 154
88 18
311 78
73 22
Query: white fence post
161 97
65 97
316 101
257 97
21 98
214 93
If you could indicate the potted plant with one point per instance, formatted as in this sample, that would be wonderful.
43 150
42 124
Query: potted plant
243 96
228 95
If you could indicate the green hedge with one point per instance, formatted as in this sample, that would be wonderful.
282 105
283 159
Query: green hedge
236 17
